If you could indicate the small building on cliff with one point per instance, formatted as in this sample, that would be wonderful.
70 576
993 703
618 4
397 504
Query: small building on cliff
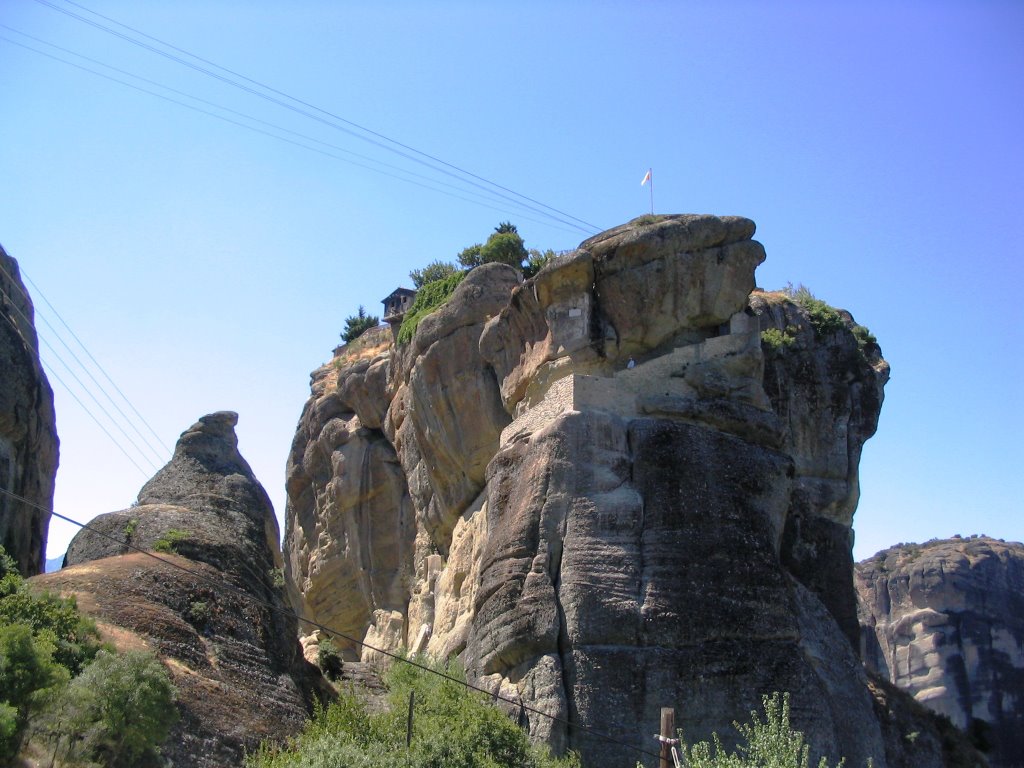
396 304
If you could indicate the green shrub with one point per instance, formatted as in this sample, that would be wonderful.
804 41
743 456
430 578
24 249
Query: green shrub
429 298
453 727
122 707
770 743
863 336
129 528
329 660
775 339
277 578
198 612
824 318
169 541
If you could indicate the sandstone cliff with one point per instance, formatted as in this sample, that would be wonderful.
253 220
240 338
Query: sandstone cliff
236 662
598 538
28 432
944 621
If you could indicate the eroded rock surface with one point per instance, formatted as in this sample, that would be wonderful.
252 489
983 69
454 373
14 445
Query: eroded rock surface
606 493
216 613
28 432
944 621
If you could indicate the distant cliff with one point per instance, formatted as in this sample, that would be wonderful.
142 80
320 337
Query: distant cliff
944 621
237 663
28 432
623 484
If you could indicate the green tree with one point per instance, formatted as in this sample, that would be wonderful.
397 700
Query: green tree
434 271
28 679
357 324
470 257
505 245
122 705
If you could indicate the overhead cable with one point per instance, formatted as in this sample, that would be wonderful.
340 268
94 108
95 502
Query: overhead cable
155 451
86 389
417 156
273 135
54 374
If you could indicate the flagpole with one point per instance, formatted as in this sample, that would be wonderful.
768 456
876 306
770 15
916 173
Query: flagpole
651 172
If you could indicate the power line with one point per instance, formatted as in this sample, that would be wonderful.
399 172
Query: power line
222 584
332 122
95 361
100 386
86 389
517 213
53 373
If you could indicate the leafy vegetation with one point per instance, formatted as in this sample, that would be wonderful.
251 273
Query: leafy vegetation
434 271
453 727
825 318
768 743
118 710
59 683
505 245
328 659
429 298
129 528
169 541
536 261
776 340
357 324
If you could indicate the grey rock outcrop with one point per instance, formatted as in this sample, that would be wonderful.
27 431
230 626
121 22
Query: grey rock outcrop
216 613
606 493
944 621
28 432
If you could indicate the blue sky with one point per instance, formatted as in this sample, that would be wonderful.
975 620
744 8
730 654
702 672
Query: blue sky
206 266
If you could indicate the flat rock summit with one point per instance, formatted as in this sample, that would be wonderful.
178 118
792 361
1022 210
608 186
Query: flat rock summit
608 490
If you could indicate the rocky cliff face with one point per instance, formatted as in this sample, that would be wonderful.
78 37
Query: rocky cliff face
944 621
606 493
28 432
213 613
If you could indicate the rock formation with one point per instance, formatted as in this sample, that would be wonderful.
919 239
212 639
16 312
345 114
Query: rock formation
28 432
214 612
607 493
944 621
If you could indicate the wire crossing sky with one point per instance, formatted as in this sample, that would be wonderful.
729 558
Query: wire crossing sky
209 264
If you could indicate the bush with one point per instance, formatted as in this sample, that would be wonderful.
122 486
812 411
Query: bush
122 706
169 541
357 324
825 319
771 743
452 727
329 660
536 261
429 298
776 340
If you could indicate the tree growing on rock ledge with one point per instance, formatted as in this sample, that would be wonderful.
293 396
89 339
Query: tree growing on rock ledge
505 245
357 324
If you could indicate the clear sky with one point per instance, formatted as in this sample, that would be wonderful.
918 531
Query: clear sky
207 266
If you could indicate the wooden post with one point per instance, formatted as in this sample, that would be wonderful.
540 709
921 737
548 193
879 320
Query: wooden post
408 725
668 732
